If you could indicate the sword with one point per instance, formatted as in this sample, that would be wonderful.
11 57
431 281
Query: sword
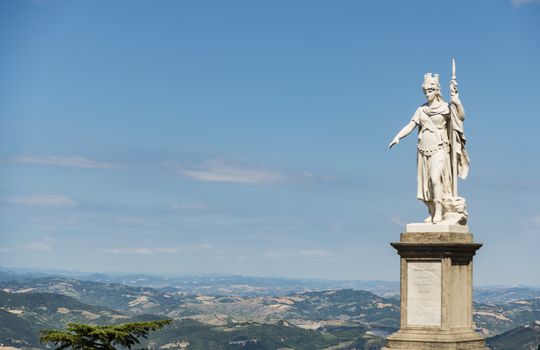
453 82
453 154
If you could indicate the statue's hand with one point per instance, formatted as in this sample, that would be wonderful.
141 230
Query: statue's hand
453 87
455 99
395 141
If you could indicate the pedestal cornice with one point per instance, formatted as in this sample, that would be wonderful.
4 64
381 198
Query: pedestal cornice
454 251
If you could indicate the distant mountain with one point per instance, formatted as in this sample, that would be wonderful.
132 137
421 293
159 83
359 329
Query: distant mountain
245 336
501 295
30 304
496 319
44 302
344 304
16 331
525 337
111 295
23 315
218 284
347 305
11 276
236 285
305 308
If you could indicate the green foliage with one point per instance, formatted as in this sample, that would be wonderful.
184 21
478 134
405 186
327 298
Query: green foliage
84 337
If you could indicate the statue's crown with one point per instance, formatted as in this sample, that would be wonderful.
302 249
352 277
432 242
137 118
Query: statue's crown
428 78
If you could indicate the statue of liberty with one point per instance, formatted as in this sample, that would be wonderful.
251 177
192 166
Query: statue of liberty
441 156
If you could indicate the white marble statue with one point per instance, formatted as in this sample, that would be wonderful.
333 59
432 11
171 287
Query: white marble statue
441 150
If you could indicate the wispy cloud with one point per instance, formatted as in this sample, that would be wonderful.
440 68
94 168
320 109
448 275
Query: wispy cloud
39 246
5 250
230 257
219 170
63 161
139 251
395 220
48 200
518 3
192 205
309 176
131 220
271 255
160 250
533 222
313 254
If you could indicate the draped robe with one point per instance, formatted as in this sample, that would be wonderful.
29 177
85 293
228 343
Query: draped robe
435 140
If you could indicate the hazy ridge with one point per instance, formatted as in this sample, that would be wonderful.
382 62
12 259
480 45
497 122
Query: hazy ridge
236 312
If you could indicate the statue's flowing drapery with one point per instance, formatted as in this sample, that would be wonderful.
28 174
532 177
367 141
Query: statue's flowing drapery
434 149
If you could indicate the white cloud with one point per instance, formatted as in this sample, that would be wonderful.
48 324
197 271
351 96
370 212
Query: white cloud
271 255
330 178
531 223
195 247
518 3
306 175
217 170
159 250
48 200
223 257
5 250
233 171
130 220
138 251
315 254
397 221
192 205
39 246
535 221
73 162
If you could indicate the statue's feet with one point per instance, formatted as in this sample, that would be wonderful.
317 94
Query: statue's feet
428 220
437 218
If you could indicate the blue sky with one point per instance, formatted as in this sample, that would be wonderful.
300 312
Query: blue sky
250 137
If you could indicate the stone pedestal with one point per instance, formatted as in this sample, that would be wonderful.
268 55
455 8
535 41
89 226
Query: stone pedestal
436 289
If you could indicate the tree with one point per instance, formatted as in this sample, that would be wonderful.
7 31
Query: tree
85 337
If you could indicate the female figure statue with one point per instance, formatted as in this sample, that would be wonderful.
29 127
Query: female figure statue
440 150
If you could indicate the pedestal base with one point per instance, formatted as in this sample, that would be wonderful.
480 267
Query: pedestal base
436 289
429 339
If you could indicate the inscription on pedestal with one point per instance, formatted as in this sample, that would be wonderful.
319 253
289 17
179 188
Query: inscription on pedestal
424 293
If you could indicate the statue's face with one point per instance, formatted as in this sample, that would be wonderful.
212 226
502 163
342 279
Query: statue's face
430 90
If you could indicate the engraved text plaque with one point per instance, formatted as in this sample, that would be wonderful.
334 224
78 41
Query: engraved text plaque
424 293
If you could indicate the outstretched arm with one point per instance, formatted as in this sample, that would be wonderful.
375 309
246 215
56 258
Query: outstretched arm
407 129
